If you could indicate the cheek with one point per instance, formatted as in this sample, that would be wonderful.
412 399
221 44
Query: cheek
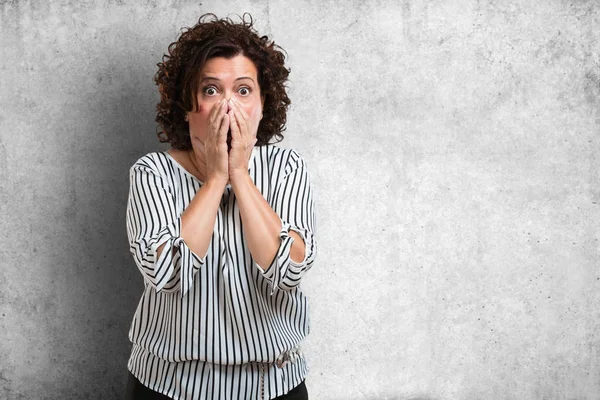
253 111
198 121
204 108
205 105
202 112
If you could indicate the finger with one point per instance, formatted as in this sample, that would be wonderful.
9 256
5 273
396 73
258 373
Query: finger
217 112
214 111
247 125
222 133
239 107
235 129
224 119
215 126
242 126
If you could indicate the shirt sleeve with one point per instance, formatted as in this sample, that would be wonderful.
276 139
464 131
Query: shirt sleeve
152 221
293 202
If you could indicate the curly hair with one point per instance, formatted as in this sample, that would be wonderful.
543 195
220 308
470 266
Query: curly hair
178 75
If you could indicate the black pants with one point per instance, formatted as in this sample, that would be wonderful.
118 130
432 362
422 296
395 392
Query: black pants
137 391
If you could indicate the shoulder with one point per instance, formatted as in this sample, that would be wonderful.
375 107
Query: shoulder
155 162
282 158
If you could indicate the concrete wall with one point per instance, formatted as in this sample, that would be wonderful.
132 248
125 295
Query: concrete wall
453 147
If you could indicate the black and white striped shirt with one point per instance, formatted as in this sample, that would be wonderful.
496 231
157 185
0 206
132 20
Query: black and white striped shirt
218 326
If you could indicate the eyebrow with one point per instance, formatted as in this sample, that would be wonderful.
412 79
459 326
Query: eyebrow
209 78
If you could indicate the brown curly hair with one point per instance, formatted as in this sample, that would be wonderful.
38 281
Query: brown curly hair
178 74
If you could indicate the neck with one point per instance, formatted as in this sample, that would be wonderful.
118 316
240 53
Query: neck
198 170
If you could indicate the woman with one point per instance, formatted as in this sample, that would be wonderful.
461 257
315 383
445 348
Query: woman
221 226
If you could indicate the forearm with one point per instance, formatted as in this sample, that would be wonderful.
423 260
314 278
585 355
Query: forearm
198 219
261 225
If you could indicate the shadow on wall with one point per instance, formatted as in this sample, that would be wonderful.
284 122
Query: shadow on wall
116 126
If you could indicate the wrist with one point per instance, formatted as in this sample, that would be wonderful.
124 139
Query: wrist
238 175
216 183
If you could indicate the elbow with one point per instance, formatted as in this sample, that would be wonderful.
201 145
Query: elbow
298 249
283 272
292 279
291 274
303 249
156 266
160 279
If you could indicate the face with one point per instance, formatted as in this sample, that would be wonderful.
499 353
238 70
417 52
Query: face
223 78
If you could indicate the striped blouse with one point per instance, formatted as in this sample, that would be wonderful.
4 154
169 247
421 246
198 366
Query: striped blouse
218 326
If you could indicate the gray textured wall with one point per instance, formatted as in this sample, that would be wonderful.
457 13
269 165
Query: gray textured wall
453 147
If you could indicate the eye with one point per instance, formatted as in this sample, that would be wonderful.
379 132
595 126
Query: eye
244 91
210 90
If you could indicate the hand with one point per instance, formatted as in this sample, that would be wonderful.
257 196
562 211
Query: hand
243 138
214 148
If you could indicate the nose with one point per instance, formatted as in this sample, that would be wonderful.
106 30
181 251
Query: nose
227 99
